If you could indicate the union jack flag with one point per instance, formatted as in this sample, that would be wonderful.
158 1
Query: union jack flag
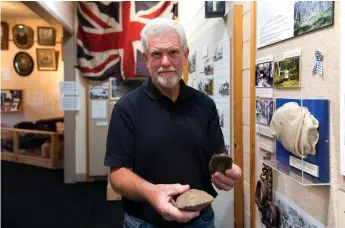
108 37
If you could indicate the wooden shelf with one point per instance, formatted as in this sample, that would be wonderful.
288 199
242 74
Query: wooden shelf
34 157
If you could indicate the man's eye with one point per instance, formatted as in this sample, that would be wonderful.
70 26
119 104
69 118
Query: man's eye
174 52
156 54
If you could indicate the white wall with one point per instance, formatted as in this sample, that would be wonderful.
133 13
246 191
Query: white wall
202 31
62 11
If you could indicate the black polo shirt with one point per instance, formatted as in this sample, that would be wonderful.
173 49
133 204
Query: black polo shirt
164 142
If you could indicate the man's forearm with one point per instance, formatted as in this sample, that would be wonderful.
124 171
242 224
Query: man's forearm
130 185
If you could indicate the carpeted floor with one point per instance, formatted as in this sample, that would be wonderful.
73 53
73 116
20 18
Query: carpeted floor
33 197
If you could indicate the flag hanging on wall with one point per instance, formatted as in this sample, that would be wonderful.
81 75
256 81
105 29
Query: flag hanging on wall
108 37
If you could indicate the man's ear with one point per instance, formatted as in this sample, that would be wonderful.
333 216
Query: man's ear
146 59
186 56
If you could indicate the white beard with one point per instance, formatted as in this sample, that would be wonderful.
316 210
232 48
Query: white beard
168 82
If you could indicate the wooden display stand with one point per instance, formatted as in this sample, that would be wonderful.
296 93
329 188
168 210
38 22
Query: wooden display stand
54 159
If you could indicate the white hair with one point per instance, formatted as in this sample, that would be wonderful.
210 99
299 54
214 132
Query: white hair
159 26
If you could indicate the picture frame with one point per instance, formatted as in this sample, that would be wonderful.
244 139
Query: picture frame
46 36
4 35
119 87
23 36
46 59
11 100
214 9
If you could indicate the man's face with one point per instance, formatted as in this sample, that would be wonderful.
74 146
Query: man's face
165 59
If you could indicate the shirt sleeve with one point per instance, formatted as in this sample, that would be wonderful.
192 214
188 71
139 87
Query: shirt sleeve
215 132
120 144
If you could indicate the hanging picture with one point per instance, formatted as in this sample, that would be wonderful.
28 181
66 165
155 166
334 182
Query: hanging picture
23 64
214 9
264 74
281 20
46 36
119 87
46 59
4 36
23 36
287 73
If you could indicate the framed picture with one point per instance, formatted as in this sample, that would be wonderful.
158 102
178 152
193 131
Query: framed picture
46 59
4 36
11 100
214 9
23 36
46 36
119 87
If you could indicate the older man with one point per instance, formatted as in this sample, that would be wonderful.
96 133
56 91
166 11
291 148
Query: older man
162 136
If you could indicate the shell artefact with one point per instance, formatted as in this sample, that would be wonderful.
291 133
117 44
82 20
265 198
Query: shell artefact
296 129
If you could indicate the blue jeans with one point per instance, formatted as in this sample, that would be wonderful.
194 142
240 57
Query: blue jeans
206 220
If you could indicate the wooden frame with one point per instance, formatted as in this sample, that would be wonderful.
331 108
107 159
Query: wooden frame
238 110
46 59
46 36
252 161
22 156
4 35
19 39
13 102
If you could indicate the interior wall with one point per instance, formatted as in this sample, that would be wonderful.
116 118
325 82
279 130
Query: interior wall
318 201
39 84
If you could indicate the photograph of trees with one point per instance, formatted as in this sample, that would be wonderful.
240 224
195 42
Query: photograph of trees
312 15
286 73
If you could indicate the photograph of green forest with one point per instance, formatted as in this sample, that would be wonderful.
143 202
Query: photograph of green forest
312 15
286 73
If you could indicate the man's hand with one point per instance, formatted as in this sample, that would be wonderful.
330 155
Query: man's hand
227 182
161 198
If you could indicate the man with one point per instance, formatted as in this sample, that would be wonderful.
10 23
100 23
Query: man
162 136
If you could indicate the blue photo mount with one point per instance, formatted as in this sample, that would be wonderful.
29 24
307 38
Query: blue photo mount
319 108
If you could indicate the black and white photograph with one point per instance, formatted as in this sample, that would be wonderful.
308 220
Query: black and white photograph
264 74
223 112
292 216
192 62
223 89
119 87
214 9
46 36
205 84
264 111
218 52
208 66
99 92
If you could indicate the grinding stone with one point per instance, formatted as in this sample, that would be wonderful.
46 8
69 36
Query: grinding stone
193 200
220 163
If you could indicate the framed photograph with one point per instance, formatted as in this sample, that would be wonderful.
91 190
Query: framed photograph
46 36
264 111
4 35
23 36
214 9
46 59
264 74
119 87
286 73
11 100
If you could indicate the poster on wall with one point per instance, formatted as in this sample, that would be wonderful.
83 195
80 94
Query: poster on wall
281 20
292 216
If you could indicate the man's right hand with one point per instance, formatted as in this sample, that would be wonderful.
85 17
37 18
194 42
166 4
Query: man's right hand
161 198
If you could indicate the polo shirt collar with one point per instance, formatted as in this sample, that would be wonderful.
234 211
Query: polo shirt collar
154 93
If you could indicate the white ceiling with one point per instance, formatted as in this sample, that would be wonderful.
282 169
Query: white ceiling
16 9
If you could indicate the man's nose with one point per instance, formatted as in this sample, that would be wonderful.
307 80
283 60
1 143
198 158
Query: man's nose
165 61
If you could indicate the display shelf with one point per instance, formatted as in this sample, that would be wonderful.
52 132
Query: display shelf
26 147
303 166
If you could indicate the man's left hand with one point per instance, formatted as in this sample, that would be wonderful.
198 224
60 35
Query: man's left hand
227 182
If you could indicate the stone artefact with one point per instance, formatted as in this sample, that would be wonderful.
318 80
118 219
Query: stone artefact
193 200
296 129
220 163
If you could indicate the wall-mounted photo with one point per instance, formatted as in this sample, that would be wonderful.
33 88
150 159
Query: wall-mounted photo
264 111
218 52
23 36
23 64
46 59
312 15
119 87
46 36
264 74
208 66
4 35
214 9
286 73
205 85
192 62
